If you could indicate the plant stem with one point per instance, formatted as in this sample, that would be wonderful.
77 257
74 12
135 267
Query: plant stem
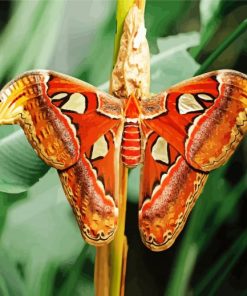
111 260
226 43
101 271
118 247
123 7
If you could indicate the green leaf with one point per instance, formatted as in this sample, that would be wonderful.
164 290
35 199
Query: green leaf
134 185
103 50
7 130
209 10
17 33
176 43
212 13
82 268
44 33
20 167
40 277
47 230
222 47
219 270
6 200
11 283
160 16
224 208
79 34
173 64
43 222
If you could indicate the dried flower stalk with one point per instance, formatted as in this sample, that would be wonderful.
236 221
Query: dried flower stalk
131 74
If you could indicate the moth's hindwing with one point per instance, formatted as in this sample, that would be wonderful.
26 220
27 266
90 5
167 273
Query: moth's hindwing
92 187
169 190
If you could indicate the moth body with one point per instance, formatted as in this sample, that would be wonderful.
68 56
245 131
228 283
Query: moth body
178 136
131 144
131 137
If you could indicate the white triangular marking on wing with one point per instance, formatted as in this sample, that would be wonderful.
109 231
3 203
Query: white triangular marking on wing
160 150
59 96
76 103
100 148
187 103
205 97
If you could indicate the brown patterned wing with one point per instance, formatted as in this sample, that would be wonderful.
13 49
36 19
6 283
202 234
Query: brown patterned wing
169 190
92 186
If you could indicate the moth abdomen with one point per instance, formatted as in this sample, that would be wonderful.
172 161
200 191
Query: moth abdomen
131 144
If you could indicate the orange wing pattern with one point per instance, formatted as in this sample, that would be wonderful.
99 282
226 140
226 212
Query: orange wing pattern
58 114
91 186
169 190
191 128
73 127
180 134
204 118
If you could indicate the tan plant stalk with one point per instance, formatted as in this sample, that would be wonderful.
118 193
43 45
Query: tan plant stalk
111 260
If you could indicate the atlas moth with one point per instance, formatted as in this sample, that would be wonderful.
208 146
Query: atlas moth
177 136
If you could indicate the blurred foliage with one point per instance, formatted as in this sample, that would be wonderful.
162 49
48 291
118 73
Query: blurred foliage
41 251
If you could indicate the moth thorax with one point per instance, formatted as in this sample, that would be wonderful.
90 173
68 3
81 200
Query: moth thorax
131 143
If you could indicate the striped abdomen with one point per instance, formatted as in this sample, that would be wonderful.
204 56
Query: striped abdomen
131 144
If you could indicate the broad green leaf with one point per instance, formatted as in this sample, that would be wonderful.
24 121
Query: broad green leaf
160 16
82 38
166 72
17 33
176 43
6 201
20 166
7 130
40 277
103 50
11 283
82 268
209 10
43 222
173 63
46 228
134 184
44 33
